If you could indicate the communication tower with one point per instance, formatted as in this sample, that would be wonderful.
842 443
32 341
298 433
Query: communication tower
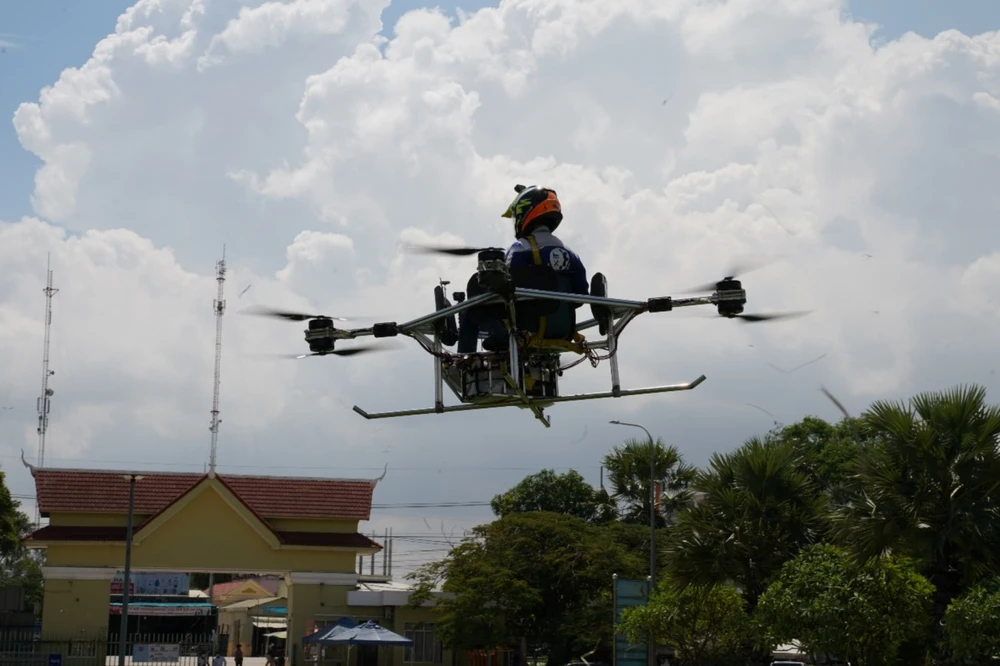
44 400
219 305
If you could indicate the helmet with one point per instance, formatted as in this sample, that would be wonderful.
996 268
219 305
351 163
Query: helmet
533 207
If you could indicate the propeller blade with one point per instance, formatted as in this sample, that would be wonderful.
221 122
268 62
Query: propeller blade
453 251
736 269
263 311
775 316
352 351
837 403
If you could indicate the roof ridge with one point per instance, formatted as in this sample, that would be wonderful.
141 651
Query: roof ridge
87 470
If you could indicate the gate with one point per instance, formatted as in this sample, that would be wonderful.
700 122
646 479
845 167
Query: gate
186 647
25 648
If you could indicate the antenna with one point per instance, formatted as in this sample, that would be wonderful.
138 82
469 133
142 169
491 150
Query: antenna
219 305
44 404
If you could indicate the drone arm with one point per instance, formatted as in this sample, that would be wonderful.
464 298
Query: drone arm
421 324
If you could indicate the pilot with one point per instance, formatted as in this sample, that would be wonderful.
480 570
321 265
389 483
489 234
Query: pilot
536 214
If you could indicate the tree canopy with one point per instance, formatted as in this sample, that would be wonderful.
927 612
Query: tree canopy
873 539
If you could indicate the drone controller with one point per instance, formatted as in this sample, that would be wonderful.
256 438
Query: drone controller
320 335
731 297
493 273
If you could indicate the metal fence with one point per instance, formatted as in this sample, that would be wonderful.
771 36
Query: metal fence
26 648
188 647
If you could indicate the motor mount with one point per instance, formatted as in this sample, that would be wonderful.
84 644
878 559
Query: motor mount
321 335
732 297
492 269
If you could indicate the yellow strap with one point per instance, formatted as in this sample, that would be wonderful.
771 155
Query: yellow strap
542 321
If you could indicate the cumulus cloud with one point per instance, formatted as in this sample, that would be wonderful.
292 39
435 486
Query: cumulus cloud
678 135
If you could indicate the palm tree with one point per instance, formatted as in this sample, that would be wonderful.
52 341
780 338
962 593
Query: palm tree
930 488
629 477
761 508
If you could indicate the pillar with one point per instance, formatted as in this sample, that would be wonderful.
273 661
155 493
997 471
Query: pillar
313 596
76 605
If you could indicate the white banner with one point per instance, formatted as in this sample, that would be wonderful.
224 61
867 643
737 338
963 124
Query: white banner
153 583
156 652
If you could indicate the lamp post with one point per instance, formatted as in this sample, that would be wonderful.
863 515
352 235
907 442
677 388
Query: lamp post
652 521
123 632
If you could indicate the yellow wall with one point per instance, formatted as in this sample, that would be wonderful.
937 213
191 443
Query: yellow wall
206 533
95 519
311 525
76 608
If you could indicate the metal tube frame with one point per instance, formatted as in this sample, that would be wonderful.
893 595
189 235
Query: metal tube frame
623 311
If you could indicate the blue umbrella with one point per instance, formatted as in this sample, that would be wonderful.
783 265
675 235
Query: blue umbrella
369 633
324 635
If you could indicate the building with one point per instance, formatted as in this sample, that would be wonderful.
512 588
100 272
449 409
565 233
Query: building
302 530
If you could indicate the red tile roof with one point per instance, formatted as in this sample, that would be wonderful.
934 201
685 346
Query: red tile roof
221 589
106 491
117 535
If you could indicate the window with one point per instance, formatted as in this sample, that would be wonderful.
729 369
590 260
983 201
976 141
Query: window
426 647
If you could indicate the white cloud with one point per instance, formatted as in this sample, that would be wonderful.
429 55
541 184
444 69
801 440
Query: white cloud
291 133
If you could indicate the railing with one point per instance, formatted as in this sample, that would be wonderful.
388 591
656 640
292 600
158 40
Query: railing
26 648
186 647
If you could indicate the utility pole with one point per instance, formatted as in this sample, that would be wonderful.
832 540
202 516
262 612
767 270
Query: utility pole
127 574
219 305
44 403
652 524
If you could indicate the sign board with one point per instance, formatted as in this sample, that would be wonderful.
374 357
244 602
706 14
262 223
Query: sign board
176 610
55 659
156 652
629 593
152 583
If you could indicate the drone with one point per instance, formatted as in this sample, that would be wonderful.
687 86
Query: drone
526 373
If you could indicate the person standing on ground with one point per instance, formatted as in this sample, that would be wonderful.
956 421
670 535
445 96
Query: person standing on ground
238 655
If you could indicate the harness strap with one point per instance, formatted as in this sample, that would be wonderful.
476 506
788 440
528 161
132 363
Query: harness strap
542 321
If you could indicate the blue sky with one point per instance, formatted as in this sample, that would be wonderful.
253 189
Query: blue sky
40 38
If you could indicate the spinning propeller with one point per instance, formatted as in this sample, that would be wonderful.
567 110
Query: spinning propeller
731 309
453 251
263 311
336 352
736 270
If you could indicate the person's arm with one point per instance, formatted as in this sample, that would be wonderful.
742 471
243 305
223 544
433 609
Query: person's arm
580 284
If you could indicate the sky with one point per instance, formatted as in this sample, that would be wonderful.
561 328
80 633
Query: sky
855 145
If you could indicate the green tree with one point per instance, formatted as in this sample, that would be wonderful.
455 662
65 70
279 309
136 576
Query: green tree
18 565
567 493
760 509
827 451
703 623
544 577
928 488
971 621
629 477
833 607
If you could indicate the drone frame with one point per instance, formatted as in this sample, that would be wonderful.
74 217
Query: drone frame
729 298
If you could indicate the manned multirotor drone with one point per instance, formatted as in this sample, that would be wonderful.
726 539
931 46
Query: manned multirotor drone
524 370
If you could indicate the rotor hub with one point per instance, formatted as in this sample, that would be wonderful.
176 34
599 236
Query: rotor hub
492 270
321 335
731 297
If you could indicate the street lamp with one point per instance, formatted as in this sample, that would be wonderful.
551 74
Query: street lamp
123 632
652 523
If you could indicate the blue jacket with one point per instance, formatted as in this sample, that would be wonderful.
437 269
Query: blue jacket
554 254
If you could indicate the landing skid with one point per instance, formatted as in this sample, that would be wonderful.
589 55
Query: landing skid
537 405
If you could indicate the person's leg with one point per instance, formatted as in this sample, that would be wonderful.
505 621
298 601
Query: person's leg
468 320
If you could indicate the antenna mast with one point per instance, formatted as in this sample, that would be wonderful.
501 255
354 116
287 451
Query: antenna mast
44 404
219 305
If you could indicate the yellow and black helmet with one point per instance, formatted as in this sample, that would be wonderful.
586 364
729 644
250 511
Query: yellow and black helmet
534 207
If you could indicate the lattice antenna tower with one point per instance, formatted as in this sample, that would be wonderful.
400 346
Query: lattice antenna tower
44 399
219 305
